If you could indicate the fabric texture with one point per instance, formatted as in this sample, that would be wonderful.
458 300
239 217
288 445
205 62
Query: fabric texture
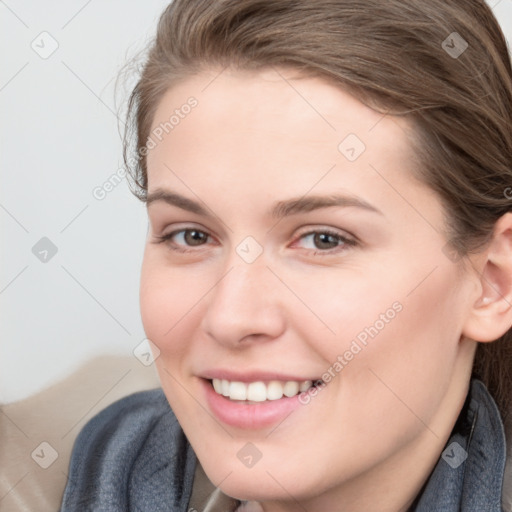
134 456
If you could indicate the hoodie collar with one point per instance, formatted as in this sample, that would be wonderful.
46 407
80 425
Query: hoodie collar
469 474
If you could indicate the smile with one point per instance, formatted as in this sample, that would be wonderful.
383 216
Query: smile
259 391
254 400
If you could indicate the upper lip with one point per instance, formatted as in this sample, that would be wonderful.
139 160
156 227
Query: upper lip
252 376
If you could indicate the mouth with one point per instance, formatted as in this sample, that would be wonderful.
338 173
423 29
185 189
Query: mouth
254 400
260 391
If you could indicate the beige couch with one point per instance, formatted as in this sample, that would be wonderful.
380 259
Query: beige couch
37 434
33 475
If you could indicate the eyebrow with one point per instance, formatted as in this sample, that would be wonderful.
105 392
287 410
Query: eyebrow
279 210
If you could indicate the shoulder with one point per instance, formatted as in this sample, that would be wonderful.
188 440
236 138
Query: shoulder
128 453
121 429
132 415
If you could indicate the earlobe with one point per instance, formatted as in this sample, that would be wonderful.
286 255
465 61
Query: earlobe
491 314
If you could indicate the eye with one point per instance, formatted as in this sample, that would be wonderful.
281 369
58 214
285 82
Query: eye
183 238
326 241
322 241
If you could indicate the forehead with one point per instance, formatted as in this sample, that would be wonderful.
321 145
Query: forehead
272 128
281 100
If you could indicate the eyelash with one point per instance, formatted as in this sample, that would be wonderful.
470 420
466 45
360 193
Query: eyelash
345 242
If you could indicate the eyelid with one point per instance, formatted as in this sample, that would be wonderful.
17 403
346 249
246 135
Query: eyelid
160 239
177 227
348 240
325 229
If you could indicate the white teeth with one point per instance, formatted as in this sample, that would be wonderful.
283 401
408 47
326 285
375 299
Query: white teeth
256 392
217 385
238 391
304 386
274 390
291 388
259 391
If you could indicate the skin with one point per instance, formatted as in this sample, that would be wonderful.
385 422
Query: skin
371 437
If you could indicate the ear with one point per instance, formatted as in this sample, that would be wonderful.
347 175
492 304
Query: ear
491 314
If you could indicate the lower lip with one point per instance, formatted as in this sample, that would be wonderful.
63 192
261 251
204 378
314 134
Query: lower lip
249 416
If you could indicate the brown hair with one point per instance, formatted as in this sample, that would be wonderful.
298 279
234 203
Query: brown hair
442 63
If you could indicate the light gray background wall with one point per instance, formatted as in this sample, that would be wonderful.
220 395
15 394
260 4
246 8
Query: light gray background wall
60 142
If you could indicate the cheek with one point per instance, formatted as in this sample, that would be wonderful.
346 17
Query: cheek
166 302
169 307
405 363
382 334
341 310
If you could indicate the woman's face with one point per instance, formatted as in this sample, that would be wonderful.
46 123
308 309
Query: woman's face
302 249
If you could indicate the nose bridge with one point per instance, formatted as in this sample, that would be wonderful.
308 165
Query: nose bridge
245 271
240 303
244 284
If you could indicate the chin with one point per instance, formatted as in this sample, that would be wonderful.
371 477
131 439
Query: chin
263 482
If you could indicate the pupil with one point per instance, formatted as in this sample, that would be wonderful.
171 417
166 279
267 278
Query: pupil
194 237
325 238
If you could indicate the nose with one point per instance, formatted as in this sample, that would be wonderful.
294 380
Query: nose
244 305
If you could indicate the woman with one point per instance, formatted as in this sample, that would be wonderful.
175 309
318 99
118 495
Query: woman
327 279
